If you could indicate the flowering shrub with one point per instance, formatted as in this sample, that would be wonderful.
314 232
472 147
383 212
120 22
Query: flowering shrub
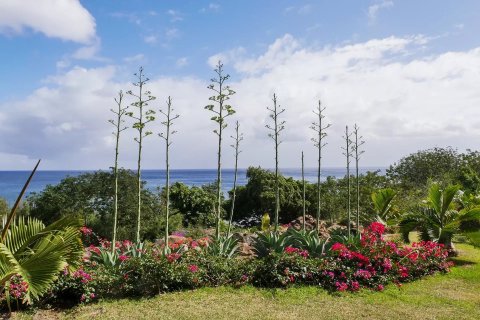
145 270
71 288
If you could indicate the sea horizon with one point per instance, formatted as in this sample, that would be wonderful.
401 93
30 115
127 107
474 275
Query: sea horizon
12 181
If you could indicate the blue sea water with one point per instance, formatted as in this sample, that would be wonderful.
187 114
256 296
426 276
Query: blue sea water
11 182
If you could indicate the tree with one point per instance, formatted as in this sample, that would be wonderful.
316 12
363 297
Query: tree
90 196
348 154
196 204
278 126
320 130
141 118
120 112
415 170
222 93
169 118
237 139
356 148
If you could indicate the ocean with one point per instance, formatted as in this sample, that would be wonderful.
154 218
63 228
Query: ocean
11 182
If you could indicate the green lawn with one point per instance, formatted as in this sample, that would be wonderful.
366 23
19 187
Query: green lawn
452 296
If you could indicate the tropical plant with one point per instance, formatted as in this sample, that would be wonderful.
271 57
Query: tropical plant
439 220
36 253
223 246
222 94
142 117
307 240
118 123
278 126
382 204
168 122
270 242
320 129
237 139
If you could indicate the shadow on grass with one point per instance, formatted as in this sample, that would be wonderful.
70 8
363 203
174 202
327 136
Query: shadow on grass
462 262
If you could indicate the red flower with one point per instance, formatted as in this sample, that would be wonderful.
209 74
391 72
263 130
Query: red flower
377 227
193 268
123 257
339 247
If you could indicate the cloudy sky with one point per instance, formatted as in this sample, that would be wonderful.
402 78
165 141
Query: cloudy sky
406 71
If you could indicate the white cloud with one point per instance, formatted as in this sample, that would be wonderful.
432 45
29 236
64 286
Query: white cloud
212 7
150 39
175 15
302 10
171 34
135 58
64 19
182 62
402 103
374 9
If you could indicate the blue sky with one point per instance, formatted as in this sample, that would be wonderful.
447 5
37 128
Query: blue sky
403 70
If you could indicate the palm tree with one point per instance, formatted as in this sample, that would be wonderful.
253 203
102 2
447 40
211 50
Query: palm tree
439 220
35 252
382 204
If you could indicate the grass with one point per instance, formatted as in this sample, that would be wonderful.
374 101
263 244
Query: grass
452 296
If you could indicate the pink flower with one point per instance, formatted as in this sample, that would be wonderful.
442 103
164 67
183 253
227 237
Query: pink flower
173 257
354 286
86 231
123 257
341 286
380 287
193 268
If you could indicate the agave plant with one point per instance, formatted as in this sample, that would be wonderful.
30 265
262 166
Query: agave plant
307 240
223 246
341 236
270 242
35 252
439 220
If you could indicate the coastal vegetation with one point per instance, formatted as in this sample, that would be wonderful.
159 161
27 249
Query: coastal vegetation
72 242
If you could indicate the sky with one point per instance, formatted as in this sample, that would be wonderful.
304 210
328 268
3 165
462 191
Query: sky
406 72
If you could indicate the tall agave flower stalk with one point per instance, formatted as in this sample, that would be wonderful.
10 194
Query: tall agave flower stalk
278 126
348 154
236 146
221 111
303 196
142 117
320 129
119 113
356 148
168 122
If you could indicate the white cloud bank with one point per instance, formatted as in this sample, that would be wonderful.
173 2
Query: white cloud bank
402 103
64 19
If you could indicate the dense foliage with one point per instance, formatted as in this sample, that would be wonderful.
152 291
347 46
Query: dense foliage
371 263
90 196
